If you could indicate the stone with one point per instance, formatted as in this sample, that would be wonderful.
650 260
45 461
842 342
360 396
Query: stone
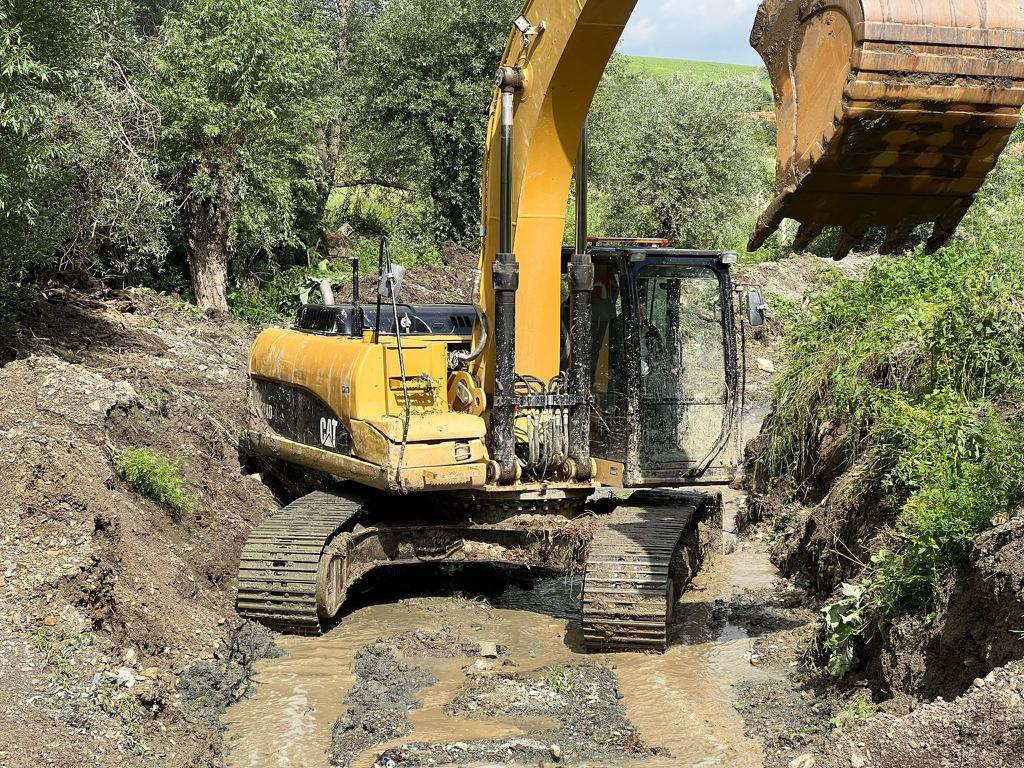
556 752
766 365
805 760
856 760
126 677
487 649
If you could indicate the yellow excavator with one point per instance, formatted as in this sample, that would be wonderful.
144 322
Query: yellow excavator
477 433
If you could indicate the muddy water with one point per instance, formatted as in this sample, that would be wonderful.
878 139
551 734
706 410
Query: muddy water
680 700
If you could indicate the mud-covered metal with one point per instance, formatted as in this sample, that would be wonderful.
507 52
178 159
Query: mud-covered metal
286 577
637 563
890 113
299 415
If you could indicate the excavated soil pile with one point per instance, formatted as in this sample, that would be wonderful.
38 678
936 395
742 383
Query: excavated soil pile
981 729
108 597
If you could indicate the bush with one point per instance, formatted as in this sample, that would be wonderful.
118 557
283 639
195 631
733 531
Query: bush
156 477
920 367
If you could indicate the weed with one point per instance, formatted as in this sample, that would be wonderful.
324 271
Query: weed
564 681
857 710
156 477
58 647
158 399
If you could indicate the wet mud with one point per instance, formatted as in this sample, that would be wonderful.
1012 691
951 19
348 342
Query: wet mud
475 667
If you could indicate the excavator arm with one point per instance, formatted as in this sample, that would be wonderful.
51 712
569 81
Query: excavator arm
890 113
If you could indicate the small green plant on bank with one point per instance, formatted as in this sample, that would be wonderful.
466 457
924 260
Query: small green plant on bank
58 647
156 477
856 711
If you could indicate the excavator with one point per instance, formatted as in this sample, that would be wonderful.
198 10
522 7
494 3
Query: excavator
478 432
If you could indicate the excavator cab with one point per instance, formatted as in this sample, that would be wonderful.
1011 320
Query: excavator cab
664 367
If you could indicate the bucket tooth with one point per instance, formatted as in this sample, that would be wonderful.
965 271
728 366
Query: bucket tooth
805 236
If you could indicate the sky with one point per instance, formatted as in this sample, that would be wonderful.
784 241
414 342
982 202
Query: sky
707 30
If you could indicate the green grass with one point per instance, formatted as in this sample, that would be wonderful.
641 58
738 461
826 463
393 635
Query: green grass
708 70
156 477
918 369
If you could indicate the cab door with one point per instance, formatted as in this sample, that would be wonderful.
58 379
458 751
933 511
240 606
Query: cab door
685 370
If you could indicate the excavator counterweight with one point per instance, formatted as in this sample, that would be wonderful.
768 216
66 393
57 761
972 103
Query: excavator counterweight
890 113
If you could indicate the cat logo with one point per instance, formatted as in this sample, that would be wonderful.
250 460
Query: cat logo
329 433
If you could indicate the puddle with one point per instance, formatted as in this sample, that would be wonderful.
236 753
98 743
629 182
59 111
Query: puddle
680 701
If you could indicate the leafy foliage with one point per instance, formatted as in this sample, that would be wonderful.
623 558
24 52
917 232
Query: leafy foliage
76 176
677 159
920 366
156 477
243 99
417 83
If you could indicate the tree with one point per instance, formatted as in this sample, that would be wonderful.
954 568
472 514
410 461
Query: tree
76 172
677 159
418 84
243 96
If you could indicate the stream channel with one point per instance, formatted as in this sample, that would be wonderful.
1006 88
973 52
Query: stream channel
680 702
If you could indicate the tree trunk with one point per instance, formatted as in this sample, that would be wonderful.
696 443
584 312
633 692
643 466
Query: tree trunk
329 144
207 253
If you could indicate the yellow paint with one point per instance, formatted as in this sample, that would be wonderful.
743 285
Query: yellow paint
361 380
609 472
563 66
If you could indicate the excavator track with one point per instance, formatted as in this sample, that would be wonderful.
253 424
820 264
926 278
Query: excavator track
629 581
281 564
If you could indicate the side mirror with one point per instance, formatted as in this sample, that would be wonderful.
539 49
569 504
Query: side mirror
756 308
393 278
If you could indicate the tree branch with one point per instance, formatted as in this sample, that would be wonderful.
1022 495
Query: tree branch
372 183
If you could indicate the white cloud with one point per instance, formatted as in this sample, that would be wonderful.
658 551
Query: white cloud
714 30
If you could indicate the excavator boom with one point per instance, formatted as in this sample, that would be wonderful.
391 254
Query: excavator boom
890 113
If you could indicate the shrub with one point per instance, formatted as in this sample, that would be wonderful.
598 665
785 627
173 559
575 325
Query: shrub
156 477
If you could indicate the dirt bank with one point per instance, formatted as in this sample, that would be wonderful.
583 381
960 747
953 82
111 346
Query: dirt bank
109 596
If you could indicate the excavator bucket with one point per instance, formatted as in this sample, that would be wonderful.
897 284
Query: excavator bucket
890 113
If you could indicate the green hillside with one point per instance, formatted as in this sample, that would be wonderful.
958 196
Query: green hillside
705 69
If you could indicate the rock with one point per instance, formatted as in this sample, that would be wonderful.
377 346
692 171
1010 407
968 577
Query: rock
766 365
151 672
856 760
488 650
130 657
979 683
476 667
50 621
556 752
805 760
461 746
126 677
